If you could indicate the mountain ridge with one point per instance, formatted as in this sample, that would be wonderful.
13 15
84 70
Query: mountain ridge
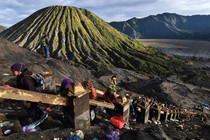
166 26
2 28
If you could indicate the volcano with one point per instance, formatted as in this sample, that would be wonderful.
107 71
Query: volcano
78 35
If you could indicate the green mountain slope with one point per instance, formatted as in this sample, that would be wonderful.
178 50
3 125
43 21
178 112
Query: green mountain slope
80 36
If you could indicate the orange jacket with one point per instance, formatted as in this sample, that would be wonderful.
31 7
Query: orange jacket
93 93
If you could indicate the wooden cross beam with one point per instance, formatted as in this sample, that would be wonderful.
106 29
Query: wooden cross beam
78 104
26 95
101 104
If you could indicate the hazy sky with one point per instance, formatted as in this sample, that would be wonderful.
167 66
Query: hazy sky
13 11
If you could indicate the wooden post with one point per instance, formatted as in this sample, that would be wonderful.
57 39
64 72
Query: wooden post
155 112
170 116
76 106
158 117
175 114
143 115
178 113
79 111
124 110
164 116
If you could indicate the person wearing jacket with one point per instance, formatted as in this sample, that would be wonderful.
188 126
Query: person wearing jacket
88 85
26 82
68 111
111 93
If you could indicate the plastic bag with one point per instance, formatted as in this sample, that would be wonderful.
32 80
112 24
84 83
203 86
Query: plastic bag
117 121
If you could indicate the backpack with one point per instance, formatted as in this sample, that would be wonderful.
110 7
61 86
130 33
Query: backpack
39 81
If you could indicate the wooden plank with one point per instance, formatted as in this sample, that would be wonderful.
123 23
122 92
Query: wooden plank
165 109
77 89
101 104
158 109
25 95
99 92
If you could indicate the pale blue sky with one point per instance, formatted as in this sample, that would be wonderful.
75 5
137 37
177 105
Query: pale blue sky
13 11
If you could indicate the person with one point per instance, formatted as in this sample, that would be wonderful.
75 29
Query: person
64 88
26 82
68 111
88 85
111 93
45 44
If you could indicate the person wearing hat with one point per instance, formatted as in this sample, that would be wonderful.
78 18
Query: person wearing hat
26 82
65 85
68 111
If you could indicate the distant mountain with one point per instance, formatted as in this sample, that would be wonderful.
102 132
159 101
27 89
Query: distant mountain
78 35
166 26
2 28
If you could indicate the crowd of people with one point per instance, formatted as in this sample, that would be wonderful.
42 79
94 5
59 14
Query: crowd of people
25 81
